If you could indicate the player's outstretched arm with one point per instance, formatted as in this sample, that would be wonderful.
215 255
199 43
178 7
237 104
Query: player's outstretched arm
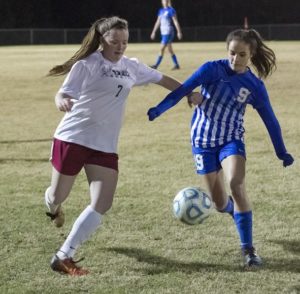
171 99
268 116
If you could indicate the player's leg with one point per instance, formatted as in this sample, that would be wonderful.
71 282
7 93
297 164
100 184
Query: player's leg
163 46
234 166
208 166
67 162
173 56
216 187
55 195
102 182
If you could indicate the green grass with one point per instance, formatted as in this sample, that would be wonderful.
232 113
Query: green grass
141 248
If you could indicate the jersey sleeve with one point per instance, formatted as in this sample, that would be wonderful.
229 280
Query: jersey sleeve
146 74
159 12
205 74
261 96
73 82
172 12
265 111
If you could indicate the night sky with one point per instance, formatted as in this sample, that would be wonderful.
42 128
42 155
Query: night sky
142 13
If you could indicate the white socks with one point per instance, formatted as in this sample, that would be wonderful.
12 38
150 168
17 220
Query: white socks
49 202
85 225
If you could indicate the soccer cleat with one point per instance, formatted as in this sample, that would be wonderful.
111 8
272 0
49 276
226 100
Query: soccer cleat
176 67
251 259
55 212
67 266
154 66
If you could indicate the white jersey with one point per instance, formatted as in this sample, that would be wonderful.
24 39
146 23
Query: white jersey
99 89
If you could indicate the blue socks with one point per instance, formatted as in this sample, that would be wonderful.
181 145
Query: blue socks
243 222
158 61
229 207
174 58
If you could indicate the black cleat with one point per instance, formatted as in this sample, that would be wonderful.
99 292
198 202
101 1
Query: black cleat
176 67
251 259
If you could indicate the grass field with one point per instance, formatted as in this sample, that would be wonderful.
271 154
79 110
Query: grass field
141 248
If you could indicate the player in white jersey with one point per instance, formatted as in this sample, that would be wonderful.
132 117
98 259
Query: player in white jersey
166 17
93 95
217 139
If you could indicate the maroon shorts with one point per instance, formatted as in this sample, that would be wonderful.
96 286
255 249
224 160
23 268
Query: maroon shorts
69 158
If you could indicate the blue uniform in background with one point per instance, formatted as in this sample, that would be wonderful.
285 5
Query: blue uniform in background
166 24
165 17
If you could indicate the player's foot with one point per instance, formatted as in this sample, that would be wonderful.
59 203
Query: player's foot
251 258
58 218
176 67
67 266
154 66
55 212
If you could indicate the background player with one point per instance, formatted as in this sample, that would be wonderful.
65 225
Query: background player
165 20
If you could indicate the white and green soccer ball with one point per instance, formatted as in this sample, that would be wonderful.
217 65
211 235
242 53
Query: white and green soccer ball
192 205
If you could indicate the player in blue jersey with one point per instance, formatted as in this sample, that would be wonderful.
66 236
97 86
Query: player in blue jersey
165 20
217 132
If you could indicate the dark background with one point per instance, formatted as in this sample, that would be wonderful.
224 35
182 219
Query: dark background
142 13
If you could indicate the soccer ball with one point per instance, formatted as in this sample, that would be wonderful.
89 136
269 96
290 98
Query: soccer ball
192 205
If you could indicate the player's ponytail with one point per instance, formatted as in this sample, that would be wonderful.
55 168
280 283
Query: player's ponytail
90 43
262 57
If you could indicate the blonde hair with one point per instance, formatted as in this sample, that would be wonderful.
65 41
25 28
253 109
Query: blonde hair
91 42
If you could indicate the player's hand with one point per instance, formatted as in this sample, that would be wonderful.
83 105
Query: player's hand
179 36
64 104
195 98
287 159
152 36
153 113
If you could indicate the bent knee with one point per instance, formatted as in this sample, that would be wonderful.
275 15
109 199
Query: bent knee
219 202
236 184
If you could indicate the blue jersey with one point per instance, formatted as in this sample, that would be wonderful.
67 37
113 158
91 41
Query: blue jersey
219 118
166 23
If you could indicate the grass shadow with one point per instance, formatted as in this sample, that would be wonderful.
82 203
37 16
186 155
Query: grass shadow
166 265
292 246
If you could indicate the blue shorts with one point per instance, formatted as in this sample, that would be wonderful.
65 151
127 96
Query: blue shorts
209 160
166 39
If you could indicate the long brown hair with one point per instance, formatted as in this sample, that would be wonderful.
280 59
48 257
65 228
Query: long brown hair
91 42
263 58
